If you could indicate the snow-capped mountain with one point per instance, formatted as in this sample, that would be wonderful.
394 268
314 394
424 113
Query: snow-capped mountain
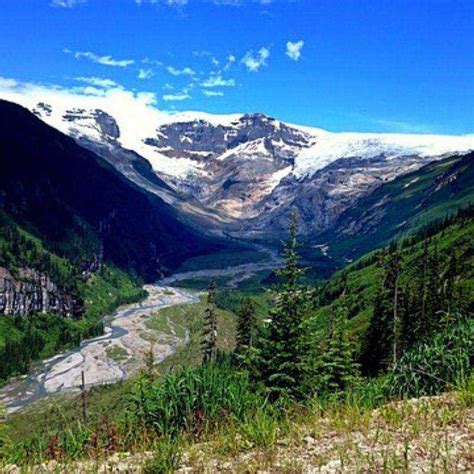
243 173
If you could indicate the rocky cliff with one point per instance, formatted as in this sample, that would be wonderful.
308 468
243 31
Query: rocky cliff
241 175
33 292
73 200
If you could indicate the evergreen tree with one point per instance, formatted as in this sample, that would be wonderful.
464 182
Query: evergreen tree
427 294
284 351
336 368
382 343
423 324
408 320
209 342
433 292
449 285
245 326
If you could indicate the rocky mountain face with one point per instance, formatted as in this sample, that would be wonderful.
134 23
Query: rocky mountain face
328 193
241 174
71 199
238 164
402 204
33 292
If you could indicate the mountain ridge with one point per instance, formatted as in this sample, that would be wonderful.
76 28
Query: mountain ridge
65 193
240 175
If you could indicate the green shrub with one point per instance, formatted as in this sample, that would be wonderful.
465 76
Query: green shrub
4 441
436 365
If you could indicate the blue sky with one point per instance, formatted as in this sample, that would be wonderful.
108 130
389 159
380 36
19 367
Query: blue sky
378 65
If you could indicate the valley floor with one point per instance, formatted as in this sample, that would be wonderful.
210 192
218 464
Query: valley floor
119 353
430 434
116 355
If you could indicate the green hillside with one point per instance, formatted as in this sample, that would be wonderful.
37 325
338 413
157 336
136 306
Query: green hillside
402 206
26 339
450 241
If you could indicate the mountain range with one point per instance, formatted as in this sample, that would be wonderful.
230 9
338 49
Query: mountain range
81 207
240 175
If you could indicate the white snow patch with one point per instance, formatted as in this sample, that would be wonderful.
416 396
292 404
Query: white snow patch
138 118
277 177
412 181
333 146
253 149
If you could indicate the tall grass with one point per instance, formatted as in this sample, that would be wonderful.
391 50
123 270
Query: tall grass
4 441
193 400
166 457
435 366
218 401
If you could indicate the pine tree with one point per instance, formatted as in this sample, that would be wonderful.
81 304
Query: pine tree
209 342
382 342
433 291
423 324
284 351
449 284
336 368
408 319
245 326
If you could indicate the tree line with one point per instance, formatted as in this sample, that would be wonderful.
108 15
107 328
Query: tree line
417 300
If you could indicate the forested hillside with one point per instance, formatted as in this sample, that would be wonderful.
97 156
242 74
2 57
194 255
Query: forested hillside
78 204
413 284
401 206
40 334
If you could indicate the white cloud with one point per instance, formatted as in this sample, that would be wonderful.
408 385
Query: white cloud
230 60
153 62
293 50
168 87
133 109
237 3
227 2
98 82
104 60
176 97
218 81
254 62
209 93
7 83
145 74
66 3
90 90
187 71
171 3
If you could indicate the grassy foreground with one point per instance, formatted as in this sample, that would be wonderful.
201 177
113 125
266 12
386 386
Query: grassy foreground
189 418
359 433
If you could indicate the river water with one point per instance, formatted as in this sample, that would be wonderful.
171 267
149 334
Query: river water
123 329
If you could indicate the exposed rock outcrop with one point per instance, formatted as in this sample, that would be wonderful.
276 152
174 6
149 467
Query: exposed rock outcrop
241 175
33 292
